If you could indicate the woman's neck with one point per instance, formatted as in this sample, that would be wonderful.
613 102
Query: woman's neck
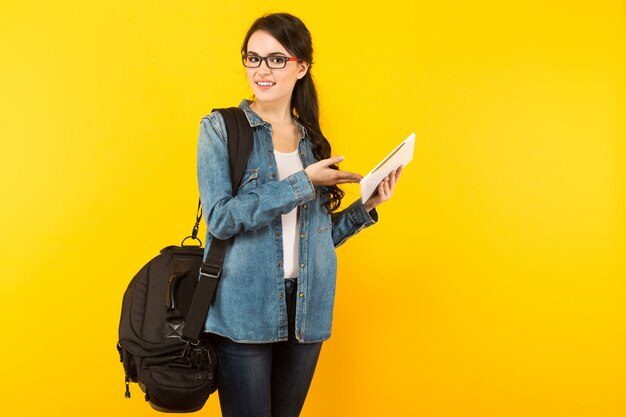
274 113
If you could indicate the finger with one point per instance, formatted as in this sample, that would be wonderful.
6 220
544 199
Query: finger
395 177
387 189
345 181
382 189
398 172
331 161
392 181
345 175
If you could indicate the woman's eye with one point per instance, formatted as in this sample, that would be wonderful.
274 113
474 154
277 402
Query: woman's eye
253 59
278 59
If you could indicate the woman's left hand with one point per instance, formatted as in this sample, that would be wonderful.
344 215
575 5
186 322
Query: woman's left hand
384 190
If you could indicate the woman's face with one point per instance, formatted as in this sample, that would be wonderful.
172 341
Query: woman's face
269 84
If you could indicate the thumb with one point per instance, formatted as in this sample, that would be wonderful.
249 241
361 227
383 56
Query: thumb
332 160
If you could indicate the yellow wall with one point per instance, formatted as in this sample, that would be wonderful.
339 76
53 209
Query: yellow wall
493 285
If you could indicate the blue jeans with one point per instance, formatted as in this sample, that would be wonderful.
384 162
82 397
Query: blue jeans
269 379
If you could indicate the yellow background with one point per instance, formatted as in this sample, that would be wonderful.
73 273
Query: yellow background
494 283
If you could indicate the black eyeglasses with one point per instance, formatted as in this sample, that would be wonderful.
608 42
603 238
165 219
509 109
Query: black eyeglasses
273 61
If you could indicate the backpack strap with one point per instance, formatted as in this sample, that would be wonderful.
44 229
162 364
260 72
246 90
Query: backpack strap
240 136
240 139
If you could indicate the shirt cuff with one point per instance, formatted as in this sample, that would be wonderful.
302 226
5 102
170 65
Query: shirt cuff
360 216
302 186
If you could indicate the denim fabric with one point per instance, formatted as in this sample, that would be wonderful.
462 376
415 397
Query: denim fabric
249 305
268 379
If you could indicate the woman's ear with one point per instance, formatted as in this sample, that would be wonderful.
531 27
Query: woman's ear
303 67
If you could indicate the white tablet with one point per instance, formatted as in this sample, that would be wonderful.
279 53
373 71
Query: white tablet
400 156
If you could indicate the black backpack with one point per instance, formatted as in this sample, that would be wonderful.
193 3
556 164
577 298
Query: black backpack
161 344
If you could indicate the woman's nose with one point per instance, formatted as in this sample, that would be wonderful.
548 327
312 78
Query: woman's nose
264 66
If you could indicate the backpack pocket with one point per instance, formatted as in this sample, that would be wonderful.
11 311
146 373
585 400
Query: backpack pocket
177 390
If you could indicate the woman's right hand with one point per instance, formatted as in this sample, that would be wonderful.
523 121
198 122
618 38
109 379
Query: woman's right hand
320 173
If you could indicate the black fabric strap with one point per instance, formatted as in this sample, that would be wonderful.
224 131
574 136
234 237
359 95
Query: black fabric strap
240 137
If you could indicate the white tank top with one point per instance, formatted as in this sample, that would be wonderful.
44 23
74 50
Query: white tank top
288 164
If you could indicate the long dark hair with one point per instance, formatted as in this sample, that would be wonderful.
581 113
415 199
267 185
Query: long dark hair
296 38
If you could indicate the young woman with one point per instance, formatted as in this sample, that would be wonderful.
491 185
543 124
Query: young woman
274 303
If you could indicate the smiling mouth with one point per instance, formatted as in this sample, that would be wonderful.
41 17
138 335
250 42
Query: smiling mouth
265 83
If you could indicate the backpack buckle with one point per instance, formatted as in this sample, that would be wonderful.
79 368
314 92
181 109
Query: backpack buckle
183 359
210 271
188 342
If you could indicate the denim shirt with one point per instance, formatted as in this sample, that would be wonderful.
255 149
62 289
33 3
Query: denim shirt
249 305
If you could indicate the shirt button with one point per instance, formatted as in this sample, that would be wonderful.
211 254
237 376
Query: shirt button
304 206
302 266
301 295
302 235
273 175
301 153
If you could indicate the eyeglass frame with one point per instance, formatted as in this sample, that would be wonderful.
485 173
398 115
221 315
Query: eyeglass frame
265 58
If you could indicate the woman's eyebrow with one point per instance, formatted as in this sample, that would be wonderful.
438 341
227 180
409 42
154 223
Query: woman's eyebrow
271 54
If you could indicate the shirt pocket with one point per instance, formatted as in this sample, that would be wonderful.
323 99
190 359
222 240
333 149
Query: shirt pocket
249 180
